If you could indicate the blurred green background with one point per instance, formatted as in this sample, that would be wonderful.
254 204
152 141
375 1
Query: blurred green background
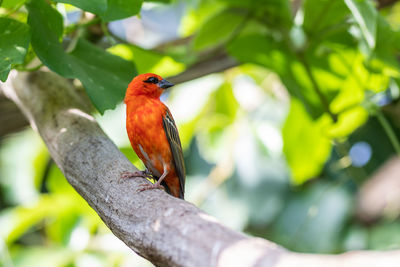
278 143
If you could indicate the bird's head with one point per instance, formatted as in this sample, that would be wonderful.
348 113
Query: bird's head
148 84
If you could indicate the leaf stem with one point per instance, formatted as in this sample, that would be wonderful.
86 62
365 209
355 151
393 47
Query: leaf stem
107 33
388 130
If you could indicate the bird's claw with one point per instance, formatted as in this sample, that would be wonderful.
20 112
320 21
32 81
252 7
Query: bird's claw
144 187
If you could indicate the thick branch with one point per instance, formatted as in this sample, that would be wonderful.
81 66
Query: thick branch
11 119
161 228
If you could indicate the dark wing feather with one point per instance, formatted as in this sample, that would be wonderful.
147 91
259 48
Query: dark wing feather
176 148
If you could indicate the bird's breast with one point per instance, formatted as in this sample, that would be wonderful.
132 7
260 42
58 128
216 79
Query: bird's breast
146 134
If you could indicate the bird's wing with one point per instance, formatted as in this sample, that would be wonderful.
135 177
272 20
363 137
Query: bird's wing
176 148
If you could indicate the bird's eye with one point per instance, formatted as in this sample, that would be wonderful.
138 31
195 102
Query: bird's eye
151 80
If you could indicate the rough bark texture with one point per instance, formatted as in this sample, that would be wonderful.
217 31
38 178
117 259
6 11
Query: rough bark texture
165 230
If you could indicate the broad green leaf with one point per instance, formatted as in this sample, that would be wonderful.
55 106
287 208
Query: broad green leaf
320 15
261 50
217 29
14 42
119 9
46 30
104 76
108 9
306 146
366 16
196 16
348 121
94 6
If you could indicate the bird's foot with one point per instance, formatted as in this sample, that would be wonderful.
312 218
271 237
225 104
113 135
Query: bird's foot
136 174
144 187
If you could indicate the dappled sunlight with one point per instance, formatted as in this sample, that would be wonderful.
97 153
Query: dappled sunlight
80 113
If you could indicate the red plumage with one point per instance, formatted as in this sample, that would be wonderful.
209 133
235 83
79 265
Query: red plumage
153 133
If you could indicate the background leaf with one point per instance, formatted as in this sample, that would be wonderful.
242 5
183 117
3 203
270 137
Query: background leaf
104 76
366 17
46 30
319 15
14 41
119 9
11 3
305 146
94 6
217 29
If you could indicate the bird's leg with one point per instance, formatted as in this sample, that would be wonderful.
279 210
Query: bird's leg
157 185
141 174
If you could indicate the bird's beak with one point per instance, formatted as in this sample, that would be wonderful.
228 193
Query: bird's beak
164 84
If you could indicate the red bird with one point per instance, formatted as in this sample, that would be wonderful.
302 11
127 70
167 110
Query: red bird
153 134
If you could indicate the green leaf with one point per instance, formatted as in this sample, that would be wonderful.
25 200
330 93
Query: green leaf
387 45
104 75
276 14
119 9
366 17
33 256
319 15
305 145
348 121
9 4
225 102
385 236
46 30
94 6
14 42
217 29
108 9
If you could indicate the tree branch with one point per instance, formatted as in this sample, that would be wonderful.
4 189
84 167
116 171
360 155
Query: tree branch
385 3
218 63
163 229
11 119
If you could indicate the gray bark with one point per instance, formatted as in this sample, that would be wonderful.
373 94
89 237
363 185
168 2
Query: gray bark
165 230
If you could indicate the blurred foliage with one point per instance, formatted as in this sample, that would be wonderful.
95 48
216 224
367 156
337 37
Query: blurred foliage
271 145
